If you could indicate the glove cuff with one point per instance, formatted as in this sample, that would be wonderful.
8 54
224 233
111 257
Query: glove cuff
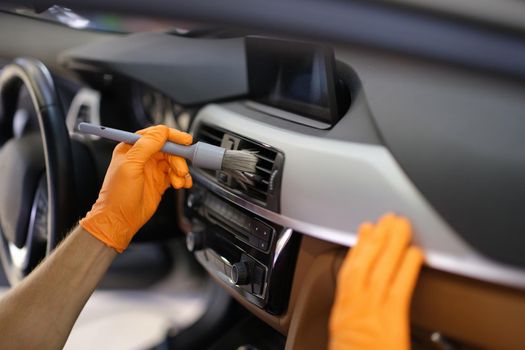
108 229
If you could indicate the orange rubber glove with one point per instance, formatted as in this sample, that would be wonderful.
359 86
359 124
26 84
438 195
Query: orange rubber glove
135 181
375 285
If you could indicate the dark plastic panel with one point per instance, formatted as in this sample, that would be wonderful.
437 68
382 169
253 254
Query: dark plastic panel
191 71
459 136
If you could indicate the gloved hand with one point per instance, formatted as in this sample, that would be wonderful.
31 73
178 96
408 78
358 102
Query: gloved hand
375 285
135 181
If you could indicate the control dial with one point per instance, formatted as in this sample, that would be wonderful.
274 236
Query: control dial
240 273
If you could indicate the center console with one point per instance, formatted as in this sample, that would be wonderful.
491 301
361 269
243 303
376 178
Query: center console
252 255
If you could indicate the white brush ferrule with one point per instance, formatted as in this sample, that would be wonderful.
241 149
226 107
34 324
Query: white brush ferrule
202 155
207 156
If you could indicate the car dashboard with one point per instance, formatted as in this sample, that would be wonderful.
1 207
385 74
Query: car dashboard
375 133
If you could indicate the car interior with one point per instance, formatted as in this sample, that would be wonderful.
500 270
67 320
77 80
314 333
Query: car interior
353 109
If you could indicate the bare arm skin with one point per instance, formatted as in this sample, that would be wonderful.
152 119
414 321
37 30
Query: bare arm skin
40 312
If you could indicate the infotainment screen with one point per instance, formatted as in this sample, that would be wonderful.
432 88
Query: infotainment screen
295 76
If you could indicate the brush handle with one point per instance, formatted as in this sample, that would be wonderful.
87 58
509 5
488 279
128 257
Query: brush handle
201 154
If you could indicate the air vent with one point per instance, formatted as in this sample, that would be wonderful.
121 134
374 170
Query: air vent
210 135
84 113
265 183
85 107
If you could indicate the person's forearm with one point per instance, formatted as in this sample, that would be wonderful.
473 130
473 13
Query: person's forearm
42 309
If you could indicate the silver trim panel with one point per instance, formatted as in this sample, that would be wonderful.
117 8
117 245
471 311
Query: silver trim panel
279 113
329 187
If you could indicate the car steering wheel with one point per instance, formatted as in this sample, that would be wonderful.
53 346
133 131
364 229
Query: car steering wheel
37 185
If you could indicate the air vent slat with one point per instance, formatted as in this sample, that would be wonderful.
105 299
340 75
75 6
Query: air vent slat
263 190
268 171
256 191
265 165
264 158
208 135
209 140
258 194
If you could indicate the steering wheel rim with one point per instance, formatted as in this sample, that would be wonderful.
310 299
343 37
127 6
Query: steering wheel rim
59 174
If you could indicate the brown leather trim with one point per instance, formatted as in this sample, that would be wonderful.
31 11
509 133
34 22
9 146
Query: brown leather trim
471 311
309 326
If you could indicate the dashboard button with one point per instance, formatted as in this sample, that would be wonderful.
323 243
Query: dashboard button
262 230
255 242
263 245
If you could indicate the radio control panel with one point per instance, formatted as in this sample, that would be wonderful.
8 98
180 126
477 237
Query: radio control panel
239 248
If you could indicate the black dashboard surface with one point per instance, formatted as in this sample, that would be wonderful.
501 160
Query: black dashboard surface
458 135
191 71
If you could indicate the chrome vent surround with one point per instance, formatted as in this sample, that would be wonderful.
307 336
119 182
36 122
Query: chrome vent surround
265 183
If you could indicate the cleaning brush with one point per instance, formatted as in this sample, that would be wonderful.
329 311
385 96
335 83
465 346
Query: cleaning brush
202 155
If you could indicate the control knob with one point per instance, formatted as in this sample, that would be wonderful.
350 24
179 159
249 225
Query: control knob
240 273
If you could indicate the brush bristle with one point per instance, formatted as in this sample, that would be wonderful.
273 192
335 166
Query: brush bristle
244 161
